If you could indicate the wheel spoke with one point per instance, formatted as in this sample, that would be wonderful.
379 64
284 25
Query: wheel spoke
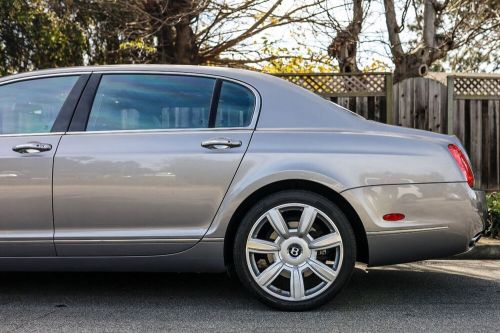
322 270
276 219
326 241
296 284
270 273
306 220
262 246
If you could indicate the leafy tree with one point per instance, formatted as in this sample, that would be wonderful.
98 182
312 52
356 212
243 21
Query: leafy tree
195 31
32 37
49 33
300 64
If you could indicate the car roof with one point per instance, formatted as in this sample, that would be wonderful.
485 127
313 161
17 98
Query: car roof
233 73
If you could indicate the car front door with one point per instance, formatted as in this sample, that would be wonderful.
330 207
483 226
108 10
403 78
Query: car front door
147 162
33 114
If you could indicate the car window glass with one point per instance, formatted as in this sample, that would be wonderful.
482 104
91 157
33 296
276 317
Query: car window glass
236 105
143 101
32 106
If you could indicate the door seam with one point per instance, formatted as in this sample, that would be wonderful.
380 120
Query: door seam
228 188
52 197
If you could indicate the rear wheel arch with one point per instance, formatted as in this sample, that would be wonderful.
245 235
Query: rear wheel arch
296 184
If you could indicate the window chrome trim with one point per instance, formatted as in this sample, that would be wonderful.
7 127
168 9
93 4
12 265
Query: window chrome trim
42 76
164 131
256 110
31 134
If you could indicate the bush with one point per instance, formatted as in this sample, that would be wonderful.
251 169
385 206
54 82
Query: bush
493 222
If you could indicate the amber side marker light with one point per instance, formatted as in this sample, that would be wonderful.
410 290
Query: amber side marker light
393 217
462 163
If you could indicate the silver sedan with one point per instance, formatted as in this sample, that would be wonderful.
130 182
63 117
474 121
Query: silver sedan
178 168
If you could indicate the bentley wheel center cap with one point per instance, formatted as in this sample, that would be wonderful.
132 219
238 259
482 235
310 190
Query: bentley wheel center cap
295 250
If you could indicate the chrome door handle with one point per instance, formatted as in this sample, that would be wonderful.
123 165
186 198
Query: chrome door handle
220 143
32 147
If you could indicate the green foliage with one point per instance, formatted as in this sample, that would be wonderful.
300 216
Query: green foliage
493 223
299 64
37 34
306 61
136 51
32 37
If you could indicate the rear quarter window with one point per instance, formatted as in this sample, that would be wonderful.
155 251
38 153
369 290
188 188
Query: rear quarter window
236 106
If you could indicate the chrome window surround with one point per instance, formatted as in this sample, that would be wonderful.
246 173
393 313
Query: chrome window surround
31 134
251 126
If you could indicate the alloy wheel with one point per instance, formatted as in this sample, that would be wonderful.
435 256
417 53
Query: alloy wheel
294 252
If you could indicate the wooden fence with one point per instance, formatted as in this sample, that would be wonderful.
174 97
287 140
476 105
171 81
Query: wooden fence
464 105
364 93
421 103
474 117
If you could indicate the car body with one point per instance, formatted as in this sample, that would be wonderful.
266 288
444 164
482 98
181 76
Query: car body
124 190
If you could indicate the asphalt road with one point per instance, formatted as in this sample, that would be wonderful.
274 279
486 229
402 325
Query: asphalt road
440 296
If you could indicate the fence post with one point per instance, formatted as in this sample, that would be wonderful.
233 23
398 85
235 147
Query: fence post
389 99
450 81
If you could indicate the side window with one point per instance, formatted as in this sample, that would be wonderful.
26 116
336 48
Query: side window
144 101
32 106
236 106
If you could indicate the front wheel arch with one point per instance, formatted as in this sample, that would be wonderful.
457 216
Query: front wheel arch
296 184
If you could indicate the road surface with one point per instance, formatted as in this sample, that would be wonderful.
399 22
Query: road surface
435 296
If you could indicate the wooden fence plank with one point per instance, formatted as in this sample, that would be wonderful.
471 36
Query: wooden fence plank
450 86
389 110
419 102
374 103
459 119
467 125
395 105
497 108
476 134
493 149
443 126
485 159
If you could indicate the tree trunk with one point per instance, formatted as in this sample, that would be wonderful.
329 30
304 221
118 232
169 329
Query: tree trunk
410 65
416 63
429 33
344 46
175 37
184 43
164 48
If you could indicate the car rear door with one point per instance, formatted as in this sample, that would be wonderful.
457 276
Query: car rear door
147 162
34 112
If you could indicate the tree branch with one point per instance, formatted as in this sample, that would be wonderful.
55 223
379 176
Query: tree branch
393 29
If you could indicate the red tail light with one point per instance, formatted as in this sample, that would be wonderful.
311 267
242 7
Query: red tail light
393 217
462 163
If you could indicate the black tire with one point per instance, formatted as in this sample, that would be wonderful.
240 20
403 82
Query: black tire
304 197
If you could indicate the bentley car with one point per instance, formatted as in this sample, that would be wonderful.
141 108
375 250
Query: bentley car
205 169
